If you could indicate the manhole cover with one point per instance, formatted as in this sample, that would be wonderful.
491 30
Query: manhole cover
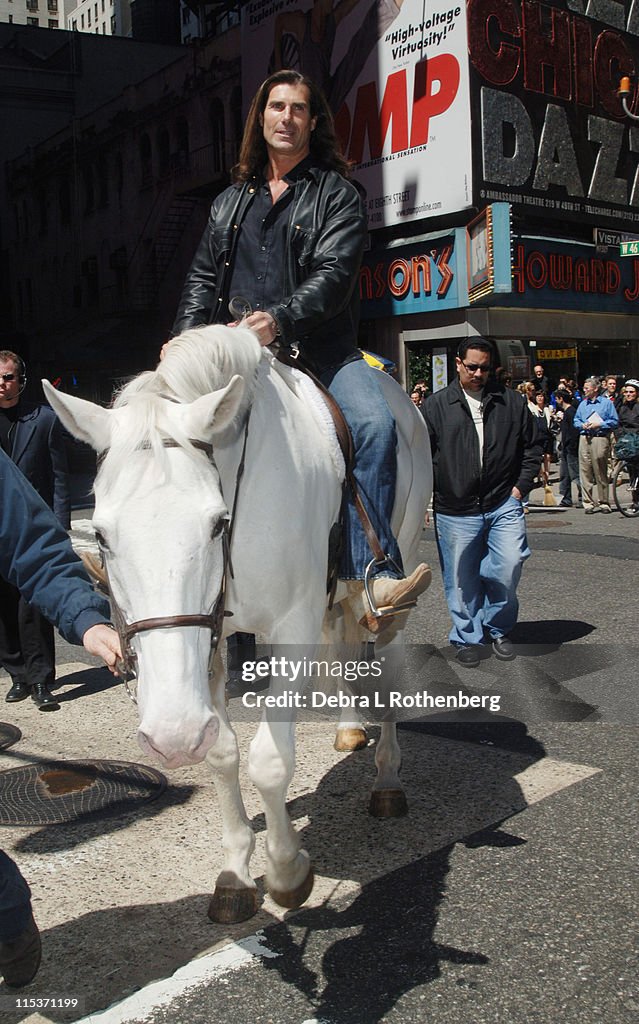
61 791
9 734
545 524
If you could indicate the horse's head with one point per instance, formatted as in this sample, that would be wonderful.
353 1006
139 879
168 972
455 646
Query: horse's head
160 519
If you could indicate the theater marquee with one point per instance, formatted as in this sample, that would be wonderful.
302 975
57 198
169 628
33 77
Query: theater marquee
549 135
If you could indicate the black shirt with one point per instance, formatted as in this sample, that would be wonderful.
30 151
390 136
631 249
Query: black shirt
8 419
260 257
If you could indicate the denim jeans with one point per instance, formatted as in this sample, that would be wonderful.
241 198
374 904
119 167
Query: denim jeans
15 900
481 558
356 389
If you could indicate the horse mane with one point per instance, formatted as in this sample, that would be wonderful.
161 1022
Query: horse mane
196 362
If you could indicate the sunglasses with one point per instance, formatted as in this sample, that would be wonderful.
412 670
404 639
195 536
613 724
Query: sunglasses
473 367
7 377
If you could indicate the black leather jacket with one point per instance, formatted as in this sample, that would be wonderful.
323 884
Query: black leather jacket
464 485
320 308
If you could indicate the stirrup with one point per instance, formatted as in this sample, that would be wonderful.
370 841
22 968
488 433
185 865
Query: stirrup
389 609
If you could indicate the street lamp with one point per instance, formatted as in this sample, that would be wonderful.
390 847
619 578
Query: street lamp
623 92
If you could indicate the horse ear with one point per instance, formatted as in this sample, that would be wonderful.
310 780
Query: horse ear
212 413
85 420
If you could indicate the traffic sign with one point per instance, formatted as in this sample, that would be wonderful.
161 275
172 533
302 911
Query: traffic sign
629 249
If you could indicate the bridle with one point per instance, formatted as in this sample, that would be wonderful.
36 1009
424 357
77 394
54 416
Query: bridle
127 666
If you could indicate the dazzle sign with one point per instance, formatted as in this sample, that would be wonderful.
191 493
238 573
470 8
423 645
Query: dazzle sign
395 73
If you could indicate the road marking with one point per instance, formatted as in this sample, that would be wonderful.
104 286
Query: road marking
546 777
537 782
140 1005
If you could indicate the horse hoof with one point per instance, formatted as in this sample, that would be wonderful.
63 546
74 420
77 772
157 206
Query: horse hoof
295 897
231 905
388 803
350 739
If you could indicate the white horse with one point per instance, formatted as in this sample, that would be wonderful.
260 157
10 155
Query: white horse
161 516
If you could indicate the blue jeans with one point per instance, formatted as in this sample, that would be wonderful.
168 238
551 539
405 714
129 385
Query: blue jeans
481 558
356 389
15 900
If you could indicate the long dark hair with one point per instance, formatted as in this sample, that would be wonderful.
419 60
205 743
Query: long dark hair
325 148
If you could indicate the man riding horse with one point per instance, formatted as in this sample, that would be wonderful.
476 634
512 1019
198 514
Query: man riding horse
289 236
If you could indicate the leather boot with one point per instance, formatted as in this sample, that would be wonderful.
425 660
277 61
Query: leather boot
43 698
19 691
394 598
20 958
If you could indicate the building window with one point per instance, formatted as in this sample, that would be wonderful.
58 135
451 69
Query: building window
53 23
42 211
164 152
217 135
33 21
113 24
32 5
74 25
64 199
146 160
52 6
89 18
89 193
182 141
82 21
103 6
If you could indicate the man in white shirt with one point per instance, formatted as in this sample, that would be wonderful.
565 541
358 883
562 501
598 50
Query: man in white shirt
486 455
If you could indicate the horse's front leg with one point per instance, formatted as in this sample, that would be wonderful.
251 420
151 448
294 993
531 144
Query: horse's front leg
271 764
235 897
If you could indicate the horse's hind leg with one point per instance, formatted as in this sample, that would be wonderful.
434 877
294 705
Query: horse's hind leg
388 799
235 897
271 763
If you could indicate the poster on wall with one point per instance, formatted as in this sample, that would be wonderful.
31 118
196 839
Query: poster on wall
395 73
439 369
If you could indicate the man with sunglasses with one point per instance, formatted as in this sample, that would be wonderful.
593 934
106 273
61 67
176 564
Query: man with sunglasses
486 455
31 435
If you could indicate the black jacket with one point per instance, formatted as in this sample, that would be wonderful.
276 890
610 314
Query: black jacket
511 457
569 432
628 413
327 232
38 450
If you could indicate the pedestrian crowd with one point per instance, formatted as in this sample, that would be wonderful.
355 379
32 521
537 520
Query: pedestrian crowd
579 430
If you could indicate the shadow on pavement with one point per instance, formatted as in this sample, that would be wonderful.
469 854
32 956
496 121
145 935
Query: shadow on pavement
384 944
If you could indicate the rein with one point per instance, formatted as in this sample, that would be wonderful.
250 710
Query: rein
128 666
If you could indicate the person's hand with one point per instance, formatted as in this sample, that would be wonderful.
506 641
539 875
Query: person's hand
516 493
263 325
104 642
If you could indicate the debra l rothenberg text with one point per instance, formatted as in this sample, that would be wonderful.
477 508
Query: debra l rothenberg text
459 701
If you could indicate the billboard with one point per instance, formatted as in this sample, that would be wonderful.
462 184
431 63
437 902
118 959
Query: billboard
550 136
395 73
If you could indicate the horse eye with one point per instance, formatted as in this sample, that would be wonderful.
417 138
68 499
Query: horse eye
217 529
101 540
